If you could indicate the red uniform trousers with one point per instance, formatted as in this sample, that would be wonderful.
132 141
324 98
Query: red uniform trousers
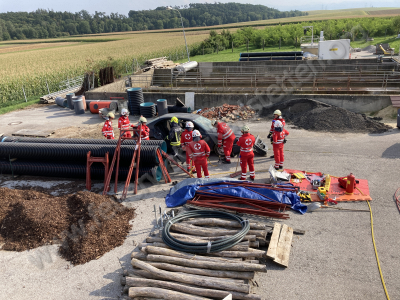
228 144
110 137
127 134
278 155
201 163
247 159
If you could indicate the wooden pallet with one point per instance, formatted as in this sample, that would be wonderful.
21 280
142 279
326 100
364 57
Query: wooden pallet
280 244
33 133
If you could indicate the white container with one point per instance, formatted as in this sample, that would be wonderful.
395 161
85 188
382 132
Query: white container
189 100
334 49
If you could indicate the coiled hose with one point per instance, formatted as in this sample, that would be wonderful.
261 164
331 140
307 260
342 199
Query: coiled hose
9 139
74 153
66 170
207 247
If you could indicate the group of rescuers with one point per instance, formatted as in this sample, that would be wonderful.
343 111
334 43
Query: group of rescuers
198 151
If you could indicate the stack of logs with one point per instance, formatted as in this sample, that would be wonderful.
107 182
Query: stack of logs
158 63
228 112
162 273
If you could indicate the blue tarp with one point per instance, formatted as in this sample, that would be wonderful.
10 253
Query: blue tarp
180 196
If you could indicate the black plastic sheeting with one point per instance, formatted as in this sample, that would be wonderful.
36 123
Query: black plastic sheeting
9 139
74 153
268 54
67 170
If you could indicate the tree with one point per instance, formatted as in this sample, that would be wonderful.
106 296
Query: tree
84 27
396 24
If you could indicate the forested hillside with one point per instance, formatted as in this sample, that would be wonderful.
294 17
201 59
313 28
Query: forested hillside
49 24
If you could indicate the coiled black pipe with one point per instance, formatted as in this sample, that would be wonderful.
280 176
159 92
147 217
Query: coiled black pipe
70 170
75 153
206 247
13 139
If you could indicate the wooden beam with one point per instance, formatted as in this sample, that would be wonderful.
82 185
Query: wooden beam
273 244
284 246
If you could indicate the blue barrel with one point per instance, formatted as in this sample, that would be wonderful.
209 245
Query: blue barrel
79 107
162 107
148 109
60 101
135 98
69 100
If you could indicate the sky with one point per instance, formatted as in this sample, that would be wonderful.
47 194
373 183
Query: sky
124 6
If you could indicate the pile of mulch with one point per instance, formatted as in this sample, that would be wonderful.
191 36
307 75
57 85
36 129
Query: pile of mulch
85 224
317 116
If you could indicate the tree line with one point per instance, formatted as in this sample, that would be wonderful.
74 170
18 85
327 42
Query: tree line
290 34
50 24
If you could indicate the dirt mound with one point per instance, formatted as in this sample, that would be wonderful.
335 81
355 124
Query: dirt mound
86 225
314 115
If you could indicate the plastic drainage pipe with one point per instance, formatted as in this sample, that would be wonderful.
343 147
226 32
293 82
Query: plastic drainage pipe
162 107
74 153
8 139
67 170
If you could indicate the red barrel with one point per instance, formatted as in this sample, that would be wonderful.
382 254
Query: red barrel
351 180
95 106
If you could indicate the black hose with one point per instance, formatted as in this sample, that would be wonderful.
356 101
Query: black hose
67 170
13 139
74 153
206 247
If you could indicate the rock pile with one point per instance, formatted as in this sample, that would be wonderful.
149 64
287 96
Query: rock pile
314 115
228 112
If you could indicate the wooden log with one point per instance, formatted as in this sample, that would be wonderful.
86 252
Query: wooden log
205 231
238 247
170 252
243 254
136 282
284 246
146 274
226 266
221 223
161 294
255 244
253 261
192 279
139 255
250 238
203 272
273 244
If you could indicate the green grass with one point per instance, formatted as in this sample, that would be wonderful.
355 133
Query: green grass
228 55
392 41
31 100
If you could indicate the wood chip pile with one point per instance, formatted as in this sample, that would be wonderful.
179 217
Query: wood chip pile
163 273
158 63
228 112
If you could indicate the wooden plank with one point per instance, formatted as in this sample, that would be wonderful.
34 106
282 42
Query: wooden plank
273 244
284 246
33 133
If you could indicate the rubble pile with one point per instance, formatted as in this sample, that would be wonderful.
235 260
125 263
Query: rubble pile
158 63
228 112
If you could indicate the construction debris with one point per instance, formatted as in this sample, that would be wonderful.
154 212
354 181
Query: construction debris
228 112
158 63
85 225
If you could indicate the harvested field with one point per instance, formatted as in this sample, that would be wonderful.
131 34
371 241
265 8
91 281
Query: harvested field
384 12
86 225
317 116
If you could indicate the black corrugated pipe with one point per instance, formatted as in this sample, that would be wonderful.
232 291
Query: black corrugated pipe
74 153
14 139
49 169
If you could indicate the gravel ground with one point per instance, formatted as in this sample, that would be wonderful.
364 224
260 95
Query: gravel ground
334 260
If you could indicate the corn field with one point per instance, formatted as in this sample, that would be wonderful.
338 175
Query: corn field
39 70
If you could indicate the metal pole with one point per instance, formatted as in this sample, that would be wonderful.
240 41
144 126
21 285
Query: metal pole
183 28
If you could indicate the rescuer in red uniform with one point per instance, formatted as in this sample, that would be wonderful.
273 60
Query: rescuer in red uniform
124 124
278 139
277 117
246 143
199 151
186 138
107 130
145 132
226 135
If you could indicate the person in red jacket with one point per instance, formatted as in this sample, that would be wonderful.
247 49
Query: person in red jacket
225 137
107 130
124 124
279 139
145 132
186 138
246 143
199 152
277 117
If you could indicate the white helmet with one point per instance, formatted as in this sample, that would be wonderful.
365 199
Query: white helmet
124 112
196 133
278 124
277 112
245 128
142 119
189 124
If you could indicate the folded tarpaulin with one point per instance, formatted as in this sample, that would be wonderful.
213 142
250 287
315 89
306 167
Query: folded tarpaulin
187 191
